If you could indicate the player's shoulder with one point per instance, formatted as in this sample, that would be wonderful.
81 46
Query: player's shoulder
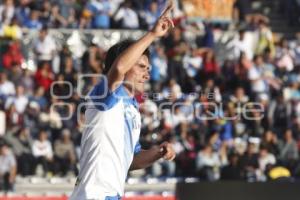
103 98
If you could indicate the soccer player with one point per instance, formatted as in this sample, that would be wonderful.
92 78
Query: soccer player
109 143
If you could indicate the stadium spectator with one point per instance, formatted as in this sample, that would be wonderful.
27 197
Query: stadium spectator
151 14
265 39
241 43
8 168
2 121
192 62
101 12
61 88
248 163
176 47
92 60
289 153
55 19
127 16
43 152
31 118
210 65
14 119
241 69
265 161
7 11
284 58
21 145
270 142
27 81
256 76
23 11
45 13
186 160
232 170
20 101
159 68
44 47
163 169
12 30
6 87
44 76
64 152
208 164
33 21
239 97
208 38
67 8
279 115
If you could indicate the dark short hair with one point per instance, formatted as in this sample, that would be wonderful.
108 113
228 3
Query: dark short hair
116 50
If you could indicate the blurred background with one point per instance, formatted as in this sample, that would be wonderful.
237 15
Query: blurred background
224 90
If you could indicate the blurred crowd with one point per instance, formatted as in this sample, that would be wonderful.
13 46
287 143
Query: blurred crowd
93 14
233 115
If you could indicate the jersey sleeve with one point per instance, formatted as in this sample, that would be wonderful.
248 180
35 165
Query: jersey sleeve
137 148
103 98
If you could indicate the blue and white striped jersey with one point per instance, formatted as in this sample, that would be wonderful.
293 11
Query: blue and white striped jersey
109 142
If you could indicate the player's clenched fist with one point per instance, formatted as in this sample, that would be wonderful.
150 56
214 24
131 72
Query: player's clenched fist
164 22
167 151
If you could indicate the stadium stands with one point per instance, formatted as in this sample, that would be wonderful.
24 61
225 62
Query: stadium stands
227 95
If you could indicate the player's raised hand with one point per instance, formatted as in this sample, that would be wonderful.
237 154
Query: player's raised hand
164 22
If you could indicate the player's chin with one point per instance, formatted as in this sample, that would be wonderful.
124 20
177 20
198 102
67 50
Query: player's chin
139 89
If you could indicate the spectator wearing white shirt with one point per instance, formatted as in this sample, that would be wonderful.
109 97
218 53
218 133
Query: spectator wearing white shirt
256 76
129 18
6 87
284 56
242 43
265 159
7 11
20 101
172 90
149 112
43 152
192 62
44 46
2 121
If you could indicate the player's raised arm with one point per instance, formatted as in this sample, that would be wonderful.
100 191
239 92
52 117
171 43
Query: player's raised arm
130 56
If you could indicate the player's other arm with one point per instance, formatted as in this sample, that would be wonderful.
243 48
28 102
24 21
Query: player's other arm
125 61
145 158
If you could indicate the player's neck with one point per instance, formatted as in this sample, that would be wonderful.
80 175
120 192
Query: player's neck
129 91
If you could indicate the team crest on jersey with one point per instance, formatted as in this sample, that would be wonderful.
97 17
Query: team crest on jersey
132 115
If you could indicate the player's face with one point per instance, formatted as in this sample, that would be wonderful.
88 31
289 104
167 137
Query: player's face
139 74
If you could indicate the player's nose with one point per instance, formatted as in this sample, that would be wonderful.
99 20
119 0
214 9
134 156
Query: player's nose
146 76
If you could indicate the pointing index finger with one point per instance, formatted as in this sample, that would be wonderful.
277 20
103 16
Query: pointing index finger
170 6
